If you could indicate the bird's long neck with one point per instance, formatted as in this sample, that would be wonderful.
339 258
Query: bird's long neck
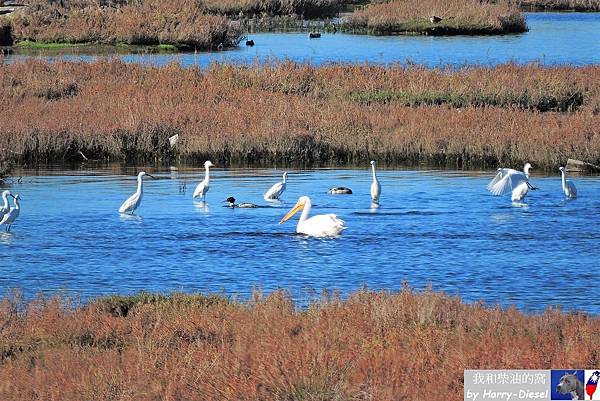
5 198
140 187
206 175
374 176
562 173
284 179
305 212
17 205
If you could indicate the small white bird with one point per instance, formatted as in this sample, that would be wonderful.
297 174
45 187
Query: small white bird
10 217
321 225
203 187
5 207
173 140
133 202
568 186
277 189
375 186
509 180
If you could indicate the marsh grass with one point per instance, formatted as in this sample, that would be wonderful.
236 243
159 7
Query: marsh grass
561 5
458 17
372 345
181 23
297 114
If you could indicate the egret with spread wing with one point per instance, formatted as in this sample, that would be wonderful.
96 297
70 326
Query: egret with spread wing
276 190
5 207
203 187
133 202
9 218
321 225
568 186
509 180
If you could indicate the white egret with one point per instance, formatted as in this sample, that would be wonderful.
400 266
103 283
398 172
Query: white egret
277 189
10 217
133 202
375 186
203 187
5 207
568 186
243 205
321 225
340 191
509 180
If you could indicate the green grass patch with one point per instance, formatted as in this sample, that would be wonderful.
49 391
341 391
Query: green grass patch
41 45
121 305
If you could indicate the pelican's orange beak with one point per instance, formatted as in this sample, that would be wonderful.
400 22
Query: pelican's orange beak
292 212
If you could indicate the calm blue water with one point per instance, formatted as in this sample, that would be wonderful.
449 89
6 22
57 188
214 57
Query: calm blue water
433 227
554 38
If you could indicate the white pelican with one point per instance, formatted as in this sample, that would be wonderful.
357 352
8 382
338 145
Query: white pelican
568 186
507 180
5 207
375 186
203 187
276 190
340 191
10 217
321 225
134 200
243 205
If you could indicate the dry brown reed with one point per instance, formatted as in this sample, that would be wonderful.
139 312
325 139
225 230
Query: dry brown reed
458 17
572 5
300 114
183 23
372 346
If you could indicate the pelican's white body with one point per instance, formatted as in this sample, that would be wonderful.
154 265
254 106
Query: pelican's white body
133 202
321 225
203 187
509 180
568 186
9 218
276 190
375 186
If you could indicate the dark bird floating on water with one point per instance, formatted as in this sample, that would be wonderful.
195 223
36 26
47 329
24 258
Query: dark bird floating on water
314 35
340 191
250 42
434 19
232 204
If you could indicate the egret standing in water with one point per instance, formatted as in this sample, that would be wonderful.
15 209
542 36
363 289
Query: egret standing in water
276 190
5 207
375 186
568 186
134 200
509 180
321 225
10 217
203 187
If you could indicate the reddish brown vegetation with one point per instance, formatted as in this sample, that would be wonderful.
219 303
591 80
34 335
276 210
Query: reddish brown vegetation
458 17
373 346
292 113
179 22
577 5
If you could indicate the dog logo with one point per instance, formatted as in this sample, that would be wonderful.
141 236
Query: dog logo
567 385
591 383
